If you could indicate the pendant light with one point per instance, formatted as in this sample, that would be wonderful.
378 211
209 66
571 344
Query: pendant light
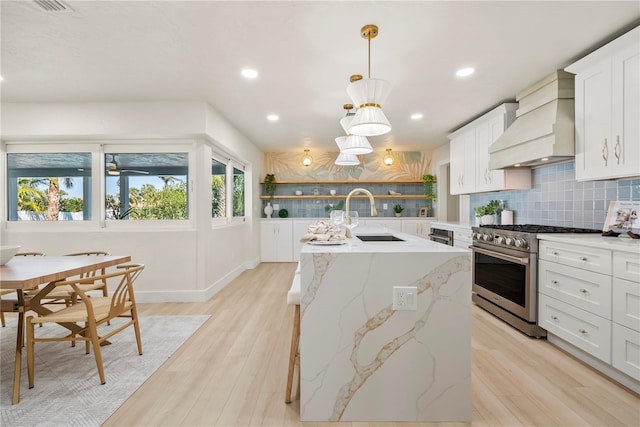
344 158
353 144
306 158
388 158
368 95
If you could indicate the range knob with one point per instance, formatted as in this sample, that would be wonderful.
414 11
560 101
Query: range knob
487 237
510 241
477 236
521 243
499 240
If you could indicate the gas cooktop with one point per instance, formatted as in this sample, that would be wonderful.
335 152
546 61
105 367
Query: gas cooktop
535 228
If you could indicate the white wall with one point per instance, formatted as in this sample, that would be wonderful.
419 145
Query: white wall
188 264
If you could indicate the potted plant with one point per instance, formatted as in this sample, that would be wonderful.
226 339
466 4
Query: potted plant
331 207
398 209
429 180
270 185
486 212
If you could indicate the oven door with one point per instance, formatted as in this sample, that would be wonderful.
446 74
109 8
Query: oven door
508 281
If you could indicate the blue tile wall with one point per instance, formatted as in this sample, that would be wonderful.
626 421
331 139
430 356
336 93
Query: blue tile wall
558 199
315 208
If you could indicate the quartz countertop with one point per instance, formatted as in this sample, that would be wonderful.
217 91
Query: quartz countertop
620 244
410 244
450 225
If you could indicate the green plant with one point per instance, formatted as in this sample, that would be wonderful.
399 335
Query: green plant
270 185
398 208
283 213
490 208
337 207
429 180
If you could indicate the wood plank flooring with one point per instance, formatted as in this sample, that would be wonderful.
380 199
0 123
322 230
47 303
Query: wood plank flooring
232 372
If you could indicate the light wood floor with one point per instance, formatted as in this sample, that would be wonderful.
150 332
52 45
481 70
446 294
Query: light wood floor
232 372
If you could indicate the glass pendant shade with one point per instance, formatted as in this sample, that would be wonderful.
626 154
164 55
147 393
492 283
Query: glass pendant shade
356 144
368 95
345 159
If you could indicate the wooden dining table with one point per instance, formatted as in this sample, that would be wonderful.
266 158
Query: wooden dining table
25 273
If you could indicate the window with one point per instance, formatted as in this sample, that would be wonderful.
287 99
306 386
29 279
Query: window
218 189
146 186
238 192
49 186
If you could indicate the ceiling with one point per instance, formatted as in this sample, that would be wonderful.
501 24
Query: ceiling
304 52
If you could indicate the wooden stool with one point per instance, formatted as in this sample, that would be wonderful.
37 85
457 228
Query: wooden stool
293 297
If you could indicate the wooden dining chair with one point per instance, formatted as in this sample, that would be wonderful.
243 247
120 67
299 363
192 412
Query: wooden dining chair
10 291
293 298
90 313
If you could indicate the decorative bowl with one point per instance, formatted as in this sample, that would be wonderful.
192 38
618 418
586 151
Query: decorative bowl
7 252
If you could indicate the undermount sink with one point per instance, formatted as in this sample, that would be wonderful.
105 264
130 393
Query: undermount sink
379 238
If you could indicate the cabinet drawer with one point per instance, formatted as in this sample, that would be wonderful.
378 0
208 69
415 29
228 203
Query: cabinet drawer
626 266
583 289
625 351
586 331
591 259
626 303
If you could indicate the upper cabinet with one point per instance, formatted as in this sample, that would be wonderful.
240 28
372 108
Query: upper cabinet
607 102
469 169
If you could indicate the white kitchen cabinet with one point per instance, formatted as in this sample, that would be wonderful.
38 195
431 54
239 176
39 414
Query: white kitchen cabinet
276 237
462 237
417 227
300 228
469 154
587 331
607 107
590 297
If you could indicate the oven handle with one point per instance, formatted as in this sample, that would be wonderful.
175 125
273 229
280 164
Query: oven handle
522 261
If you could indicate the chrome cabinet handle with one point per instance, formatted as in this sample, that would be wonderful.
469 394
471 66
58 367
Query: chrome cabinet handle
554 317
583 331
605 157
555 282
583 258
555 253
616 149
584 291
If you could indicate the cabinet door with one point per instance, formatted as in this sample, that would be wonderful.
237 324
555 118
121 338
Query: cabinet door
625 355
300 228
496 177
625 132
463 163
585 258
626 303
387 224
276 241
416 227
594 147
482 172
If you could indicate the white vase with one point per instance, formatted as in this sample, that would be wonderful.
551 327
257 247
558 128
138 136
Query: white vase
268 210
487 219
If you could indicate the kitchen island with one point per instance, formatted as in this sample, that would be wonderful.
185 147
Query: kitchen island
361 360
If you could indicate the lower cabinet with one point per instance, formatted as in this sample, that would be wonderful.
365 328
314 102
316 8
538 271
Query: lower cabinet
597 312
276 237
417 227
462 237
390 224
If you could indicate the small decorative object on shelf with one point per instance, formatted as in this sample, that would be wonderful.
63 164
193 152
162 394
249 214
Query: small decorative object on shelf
268 210
283 213
270 185
398 209
486 212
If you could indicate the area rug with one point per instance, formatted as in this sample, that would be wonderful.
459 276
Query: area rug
67 388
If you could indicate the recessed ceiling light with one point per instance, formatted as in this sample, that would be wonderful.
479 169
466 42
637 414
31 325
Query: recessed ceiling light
416 116
273 117
249 73
517 165
464 72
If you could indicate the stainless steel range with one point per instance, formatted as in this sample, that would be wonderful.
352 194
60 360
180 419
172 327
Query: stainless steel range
505 268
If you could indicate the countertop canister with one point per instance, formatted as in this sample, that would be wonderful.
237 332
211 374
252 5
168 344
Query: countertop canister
506 217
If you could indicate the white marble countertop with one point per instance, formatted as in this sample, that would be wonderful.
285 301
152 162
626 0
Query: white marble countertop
621 244
450 225
410 244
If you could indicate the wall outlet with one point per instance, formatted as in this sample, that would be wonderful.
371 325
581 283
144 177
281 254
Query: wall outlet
405 298
385 206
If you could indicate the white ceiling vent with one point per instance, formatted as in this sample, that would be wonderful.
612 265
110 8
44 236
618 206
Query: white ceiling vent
51 6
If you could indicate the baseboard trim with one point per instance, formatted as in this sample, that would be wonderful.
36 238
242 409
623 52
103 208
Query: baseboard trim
203 295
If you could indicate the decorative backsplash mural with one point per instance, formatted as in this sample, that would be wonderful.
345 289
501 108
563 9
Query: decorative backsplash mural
407 165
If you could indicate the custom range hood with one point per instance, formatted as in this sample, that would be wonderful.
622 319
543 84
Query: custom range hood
543 131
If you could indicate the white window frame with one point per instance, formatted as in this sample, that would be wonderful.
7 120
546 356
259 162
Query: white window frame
150 147
221 221
57 147
240 166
